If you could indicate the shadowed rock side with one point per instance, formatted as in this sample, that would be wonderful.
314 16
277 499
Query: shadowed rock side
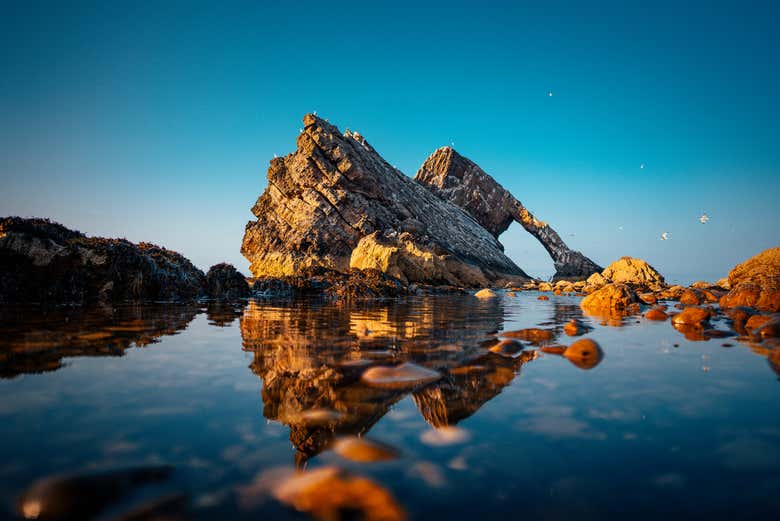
312 383
36 341
461 182
335 192
44 262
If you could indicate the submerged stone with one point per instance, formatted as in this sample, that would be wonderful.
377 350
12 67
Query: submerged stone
584 353
363 450
404 376
508 348
485 293
531 334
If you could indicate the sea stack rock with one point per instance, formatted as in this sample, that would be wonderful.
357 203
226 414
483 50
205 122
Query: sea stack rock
460 181
335 192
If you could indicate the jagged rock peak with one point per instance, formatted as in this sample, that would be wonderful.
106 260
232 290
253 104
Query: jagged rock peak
462 182
335 190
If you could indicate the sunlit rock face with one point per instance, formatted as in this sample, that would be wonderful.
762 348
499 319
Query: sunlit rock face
755 282
635 273
45 262
38 341
313 381
335 189
460 181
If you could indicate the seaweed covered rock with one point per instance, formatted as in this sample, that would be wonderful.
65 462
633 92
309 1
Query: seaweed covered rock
45 262
224 282
755 282
335 190
323 282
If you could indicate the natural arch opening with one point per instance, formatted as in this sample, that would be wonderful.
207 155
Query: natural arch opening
527 252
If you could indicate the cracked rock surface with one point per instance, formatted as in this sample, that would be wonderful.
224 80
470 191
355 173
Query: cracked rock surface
335 190
460 181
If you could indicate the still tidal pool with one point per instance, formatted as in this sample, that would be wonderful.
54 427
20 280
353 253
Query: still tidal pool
255 408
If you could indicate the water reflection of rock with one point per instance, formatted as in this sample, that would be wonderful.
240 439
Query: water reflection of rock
223 314
36 340
311 356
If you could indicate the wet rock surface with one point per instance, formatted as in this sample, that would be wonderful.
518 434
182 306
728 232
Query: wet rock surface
45 262
612 297
335 190
460 181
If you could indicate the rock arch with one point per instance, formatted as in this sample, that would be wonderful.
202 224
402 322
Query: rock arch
462 182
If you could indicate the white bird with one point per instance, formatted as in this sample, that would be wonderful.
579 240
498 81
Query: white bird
275 156
549 94
642 166
665 236
704 218
300 131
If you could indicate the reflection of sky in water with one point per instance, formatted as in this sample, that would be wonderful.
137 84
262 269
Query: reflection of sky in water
647 430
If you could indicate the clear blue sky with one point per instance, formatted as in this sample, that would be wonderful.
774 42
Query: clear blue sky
157 123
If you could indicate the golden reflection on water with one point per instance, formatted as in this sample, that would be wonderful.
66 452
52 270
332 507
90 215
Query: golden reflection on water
449 356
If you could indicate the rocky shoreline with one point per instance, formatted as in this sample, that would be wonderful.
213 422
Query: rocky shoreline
337 221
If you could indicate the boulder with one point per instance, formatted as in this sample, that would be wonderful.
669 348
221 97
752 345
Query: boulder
692 316
224 282
335 190
460 181
45 262
612 297
634 272
755 283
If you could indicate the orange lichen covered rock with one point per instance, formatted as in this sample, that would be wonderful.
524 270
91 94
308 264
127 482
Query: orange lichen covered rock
634 272
612 297
755 282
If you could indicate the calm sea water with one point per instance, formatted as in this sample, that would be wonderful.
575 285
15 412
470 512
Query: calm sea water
225 394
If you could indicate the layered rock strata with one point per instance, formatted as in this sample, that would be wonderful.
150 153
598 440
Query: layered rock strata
460 181
335 193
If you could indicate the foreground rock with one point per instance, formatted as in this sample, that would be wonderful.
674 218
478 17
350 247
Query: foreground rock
755 283
460 181
631 271
335 191
45 262
611 298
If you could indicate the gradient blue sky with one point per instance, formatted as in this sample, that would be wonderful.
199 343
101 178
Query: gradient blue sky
157 123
